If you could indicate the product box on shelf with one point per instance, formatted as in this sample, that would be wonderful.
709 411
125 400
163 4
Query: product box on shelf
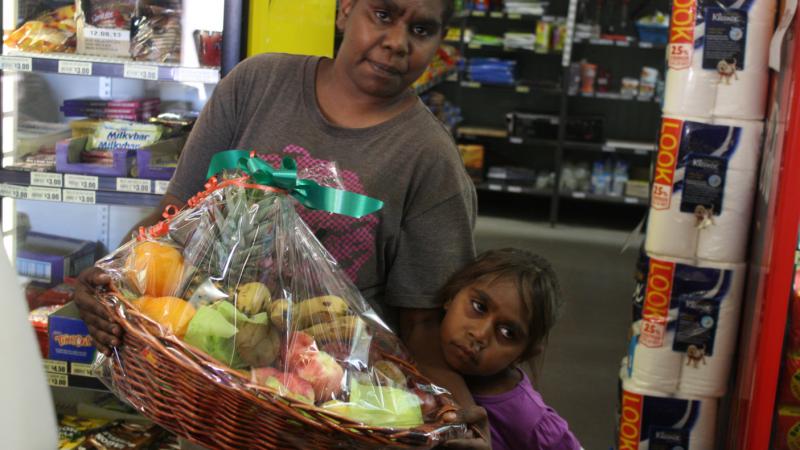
48 259
158 161
69 338
68 159
104 28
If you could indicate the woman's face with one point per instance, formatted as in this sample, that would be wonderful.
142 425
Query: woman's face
485 329
388 43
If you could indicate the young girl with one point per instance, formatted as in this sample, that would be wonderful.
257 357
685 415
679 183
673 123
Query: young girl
499 310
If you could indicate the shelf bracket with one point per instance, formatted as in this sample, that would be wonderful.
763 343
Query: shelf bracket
104 88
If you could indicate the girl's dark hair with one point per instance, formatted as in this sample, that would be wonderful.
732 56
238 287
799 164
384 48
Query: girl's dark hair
535 279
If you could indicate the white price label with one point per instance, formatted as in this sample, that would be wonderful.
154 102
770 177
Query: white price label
13 191
471 84
478 13
632 200
57 380
196 75
645 44
140 72
80 196
46 194
81 182
161 187
623 44
81 370
133 185
46 179
52 366
475 46
579 195
496 15
495 187
109 34
515 189
515 16
74 67
523 89
641 151
515 140
16 63
609 149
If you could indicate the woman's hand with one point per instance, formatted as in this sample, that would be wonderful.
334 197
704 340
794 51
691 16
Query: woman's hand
475 417
105 333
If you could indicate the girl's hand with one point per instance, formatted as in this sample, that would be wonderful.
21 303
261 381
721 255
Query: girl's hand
105 333
475 417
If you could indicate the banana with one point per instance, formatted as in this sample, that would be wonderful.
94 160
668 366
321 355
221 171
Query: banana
308 312
341 329
389 374
252 298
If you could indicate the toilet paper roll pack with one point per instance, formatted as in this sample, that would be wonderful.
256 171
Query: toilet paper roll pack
717 58
652 420
686 318
703 186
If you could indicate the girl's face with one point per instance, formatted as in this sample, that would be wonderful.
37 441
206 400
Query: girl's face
388 43
485 329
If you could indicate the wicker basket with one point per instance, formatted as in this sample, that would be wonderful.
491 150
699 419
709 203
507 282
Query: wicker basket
187 392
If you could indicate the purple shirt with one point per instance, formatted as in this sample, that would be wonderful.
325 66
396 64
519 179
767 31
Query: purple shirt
519 419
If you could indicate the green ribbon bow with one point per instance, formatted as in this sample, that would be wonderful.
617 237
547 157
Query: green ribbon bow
307 192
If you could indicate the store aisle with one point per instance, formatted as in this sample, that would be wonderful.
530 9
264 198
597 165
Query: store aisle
579 374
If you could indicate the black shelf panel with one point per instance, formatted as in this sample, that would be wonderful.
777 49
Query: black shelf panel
502 15
499 186
633 43
619 97
515 140
86 189
506 50
625 200
636 148
519 88
85 65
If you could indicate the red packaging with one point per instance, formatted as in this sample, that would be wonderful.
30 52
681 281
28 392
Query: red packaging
57 295
39 318
789 389
787 435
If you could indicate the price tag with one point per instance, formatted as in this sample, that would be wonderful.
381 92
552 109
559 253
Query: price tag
52 366
13 191
74 67
515 140
81 182
110 34
471 84
161 186
609 149
81 370
623 44
645 45
16 63
601 42
641 151
57 380
496 15
631 200
133 185
515 189
45 194
475 46
46 179
579 195
523 89
140 72
478 13
679 55
80 196
196 75
515 16
495 187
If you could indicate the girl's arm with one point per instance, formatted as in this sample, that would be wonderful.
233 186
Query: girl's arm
419 330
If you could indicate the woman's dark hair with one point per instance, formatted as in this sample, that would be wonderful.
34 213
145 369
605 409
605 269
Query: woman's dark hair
534 277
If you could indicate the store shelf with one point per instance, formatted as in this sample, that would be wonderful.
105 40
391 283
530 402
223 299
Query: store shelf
502 15
71 188
502 49
86 65
518 88
631 43
63 374
497 186
618 96
613 146
605 198
499 134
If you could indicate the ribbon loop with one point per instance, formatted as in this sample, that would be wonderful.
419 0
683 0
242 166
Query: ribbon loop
307 192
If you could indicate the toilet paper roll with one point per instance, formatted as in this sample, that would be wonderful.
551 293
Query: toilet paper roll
656 368
651 419
727 74
704 374
738 141
670 232
726 238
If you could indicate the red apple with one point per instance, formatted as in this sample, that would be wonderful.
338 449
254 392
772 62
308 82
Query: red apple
314 366
287 384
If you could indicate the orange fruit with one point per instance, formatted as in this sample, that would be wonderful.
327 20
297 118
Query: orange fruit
155 268
171 312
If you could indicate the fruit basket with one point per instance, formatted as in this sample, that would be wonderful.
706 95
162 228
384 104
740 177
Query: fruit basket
242 332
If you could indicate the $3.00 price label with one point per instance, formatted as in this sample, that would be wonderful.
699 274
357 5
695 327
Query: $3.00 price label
80 196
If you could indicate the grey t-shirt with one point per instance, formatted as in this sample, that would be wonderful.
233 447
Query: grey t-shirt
399 256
